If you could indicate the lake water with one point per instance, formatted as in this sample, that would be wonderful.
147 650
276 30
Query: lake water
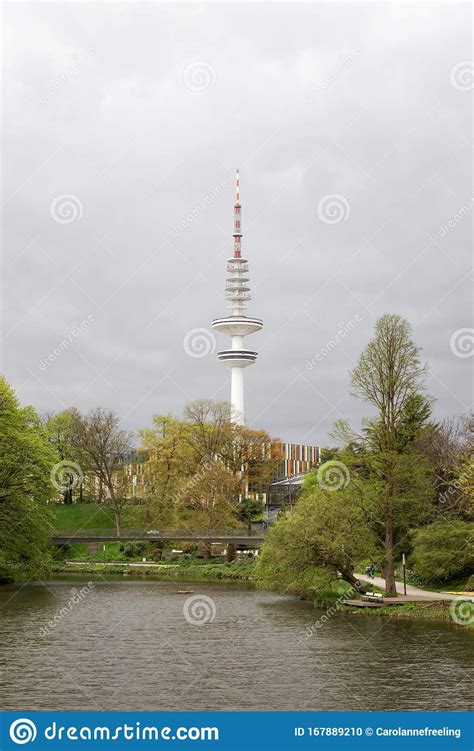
129 645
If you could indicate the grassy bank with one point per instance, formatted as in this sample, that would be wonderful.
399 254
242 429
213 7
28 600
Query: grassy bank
82 516
435 611
213 572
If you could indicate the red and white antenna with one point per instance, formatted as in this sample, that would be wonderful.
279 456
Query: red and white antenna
237 218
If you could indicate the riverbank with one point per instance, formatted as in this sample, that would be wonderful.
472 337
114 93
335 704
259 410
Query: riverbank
431 611
205 572
244 571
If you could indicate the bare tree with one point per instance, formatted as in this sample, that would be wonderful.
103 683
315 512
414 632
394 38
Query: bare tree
449 450
209 427
388 374
103 447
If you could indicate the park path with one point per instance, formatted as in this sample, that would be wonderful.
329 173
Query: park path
413 591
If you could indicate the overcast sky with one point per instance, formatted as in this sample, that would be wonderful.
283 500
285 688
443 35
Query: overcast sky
122 127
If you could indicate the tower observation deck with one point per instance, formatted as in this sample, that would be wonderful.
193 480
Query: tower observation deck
237 325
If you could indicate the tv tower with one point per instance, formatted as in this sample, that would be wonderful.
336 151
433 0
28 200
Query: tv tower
237 324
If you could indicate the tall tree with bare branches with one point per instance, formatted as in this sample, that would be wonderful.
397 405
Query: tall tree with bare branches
103 446
388 375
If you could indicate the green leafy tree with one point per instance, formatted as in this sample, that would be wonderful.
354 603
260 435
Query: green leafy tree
248 510
444 550
327 528
60 431
26 462
388 375
413 421
170 460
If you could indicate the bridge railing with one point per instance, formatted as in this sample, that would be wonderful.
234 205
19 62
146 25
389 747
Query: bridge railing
151 533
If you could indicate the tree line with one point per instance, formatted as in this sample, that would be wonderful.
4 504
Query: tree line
195 471
404 484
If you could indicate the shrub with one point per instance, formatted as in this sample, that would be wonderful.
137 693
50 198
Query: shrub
134 549
442 551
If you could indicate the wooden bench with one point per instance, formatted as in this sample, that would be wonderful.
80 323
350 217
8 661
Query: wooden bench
372 597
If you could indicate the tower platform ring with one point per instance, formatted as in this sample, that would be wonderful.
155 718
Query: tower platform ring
237 358
237 325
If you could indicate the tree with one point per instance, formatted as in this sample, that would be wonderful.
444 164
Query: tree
59 428
251 454
247 511
212 497
413 421
448 447
326 528
388 375
209 427
26 463
444 550
170 459
103 448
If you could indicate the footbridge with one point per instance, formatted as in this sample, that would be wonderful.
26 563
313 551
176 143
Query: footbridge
238 537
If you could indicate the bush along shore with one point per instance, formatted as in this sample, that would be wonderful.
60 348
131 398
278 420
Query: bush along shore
213 572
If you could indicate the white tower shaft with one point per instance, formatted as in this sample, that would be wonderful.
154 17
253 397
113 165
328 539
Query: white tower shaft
237 395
